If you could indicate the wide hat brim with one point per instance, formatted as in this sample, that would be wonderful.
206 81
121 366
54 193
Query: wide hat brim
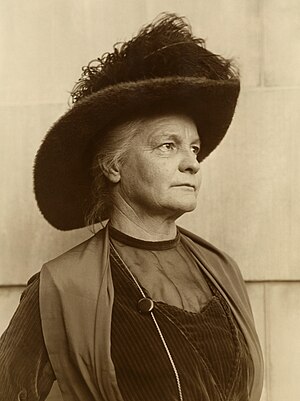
62 172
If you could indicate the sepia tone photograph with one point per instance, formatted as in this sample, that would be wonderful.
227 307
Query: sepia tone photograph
150 218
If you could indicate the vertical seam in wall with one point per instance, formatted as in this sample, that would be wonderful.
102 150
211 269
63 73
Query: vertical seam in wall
262 43
266 340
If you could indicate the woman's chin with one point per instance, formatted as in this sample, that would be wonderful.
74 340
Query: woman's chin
184 207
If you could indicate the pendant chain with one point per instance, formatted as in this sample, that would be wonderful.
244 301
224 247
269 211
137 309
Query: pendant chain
156 325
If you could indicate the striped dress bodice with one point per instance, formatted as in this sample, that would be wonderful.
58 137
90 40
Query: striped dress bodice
208 348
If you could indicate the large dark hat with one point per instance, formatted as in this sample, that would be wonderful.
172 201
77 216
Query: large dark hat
163 68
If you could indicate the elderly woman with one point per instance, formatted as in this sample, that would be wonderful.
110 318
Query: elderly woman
143 310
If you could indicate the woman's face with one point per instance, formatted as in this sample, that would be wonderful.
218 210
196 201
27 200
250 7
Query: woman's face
161 175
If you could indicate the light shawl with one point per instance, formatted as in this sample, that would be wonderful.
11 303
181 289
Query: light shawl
76 301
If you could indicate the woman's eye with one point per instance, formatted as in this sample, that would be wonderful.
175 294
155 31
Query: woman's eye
196 149
167 146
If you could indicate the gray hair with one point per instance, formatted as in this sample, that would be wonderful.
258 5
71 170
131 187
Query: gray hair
112 151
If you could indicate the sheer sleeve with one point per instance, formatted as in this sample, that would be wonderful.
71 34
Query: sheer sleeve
25 369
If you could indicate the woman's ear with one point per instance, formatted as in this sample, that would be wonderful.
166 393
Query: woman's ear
112 173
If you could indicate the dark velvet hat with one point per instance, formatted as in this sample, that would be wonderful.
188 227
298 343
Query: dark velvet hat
163 68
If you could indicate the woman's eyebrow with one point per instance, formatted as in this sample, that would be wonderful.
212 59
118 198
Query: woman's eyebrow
161 136
166 134
178 138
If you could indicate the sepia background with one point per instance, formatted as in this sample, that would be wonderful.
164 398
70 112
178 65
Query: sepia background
250 200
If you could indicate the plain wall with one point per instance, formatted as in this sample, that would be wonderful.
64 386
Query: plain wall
249 205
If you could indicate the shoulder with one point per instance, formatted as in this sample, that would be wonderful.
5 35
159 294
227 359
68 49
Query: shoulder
222 267
31 291
32 287
79 270
208 249
77 255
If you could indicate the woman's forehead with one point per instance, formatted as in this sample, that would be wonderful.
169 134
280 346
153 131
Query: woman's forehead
176 125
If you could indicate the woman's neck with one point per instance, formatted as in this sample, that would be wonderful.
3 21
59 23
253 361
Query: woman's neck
147 228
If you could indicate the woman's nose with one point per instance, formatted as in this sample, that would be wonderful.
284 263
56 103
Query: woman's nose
189 162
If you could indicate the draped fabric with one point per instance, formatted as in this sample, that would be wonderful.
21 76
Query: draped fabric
76 300
76 291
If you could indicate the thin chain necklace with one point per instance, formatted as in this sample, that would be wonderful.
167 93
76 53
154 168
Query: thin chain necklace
150 306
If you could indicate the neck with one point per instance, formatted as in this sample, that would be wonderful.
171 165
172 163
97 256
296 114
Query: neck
141 225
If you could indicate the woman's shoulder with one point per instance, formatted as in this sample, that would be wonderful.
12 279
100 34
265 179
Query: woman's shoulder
219 263
74 255
81 268
208 248
32 287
